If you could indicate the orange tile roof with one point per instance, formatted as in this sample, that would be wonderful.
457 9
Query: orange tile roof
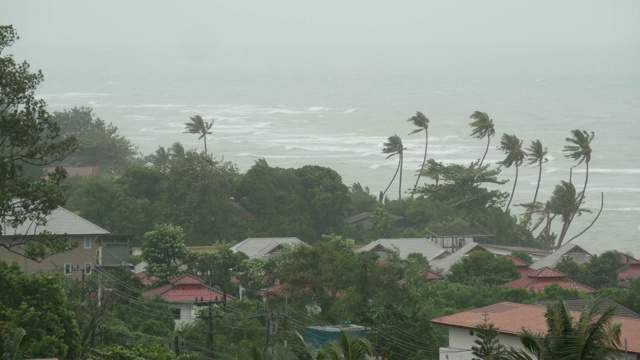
511 318
186 289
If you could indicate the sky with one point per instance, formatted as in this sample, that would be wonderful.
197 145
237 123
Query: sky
87 38
325 24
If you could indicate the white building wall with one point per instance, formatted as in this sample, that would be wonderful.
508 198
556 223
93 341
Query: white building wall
461 340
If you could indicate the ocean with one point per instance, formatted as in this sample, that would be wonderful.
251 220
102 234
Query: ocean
336 109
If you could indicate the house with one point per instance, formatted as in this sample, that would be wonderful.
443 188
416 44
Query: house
452 240
630 270
538 280
405 246
570 250
578 305
90 245
264 248
443 265
363 221
536 254
520 264
510 319
83 171
188 295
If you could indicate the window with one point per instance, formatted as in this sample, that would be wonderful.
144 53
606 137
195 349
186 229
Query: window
87 242
176 314
87 268
67 268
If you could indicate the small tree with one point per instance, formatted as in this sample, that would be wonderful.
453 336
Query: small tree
164 251
489 347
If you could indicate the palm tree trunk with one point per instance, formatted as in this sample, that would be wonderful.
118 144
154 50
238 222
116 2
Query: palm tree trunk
204 137
515 182
424 160
565 226
535 196
388 186
486 150
400 183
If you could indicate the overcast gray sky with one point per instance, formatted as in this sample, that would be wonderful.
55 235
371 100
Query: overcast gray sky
72 36
324 24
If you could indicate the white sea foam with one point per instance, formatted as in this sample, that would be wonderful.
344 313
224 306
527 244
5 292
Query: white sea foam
138 117
349 111
318 108
73 94
152 106
282 111
623 209
616 189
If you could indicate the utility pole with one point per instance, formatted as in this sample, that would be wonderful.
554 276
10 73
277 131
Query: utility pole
209 318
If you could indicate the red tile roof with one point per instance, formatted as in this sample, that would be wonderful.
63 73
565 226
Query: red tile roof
630 270
511 318
520 264
537 280
186 289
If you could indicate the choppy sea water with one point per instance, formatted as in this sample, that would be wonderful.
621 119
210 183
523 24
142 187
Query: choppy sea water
342 121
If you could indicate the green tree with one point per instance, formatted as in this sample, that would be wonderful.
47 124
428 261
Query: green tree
488 344
199 126
29 139
434 170
393 147
422 122
592 336
482 126
164 251
461 188
37 304
101 144
512 147
482 267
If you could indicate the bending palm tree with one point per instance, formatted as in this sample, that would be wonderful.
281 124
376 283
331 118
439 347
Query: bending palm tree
394 146
199 126
591 336
512 146
482 127
566 203
161 157
177 150
433 170
579 149
536 154
422 122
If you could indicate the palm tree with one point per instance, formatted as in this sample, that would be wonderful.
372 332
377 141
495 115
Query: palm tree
536 154
345 347
161 157
394 146
590 336
565 202
482 127
422 122
512 146
199 126
433 170
579 149
177 150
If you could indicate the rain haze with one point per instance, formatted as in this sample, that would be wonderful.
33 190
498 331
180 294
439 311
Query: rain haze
327 82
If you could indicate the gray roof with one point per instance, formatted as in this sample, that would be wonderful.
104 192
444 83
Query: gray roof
444 265
407 246
260 248
60 221
553 259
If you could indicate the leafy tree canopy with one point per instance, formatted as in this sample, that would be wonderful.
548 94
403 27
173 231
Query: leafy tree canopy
485 268
101 144
164 251
29 139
